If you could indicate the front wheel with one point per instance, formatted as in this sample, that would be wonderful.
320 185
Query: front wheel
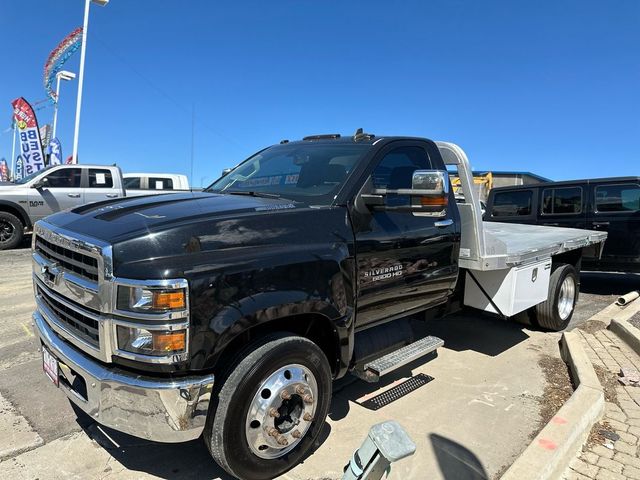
555 313
270 409
11 231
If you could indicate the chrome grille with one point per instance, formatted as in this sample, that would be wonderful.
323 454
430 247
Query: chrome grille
72 261
78 320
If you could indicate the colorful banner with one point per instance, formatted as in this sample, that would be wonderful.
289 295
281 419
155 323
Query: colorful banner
56 152
30 144
4 171
18 175
58 57
45 135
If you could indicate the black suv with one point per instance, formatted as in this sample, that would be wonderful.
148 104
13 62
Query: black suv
604 204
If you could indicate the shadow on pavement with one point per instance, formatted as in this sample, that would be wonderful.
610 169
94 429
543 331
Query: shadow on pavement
472 330
188 460
606 283
455 461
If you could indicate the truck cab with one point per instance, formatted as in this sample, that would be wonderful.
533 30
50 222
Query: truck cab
154 183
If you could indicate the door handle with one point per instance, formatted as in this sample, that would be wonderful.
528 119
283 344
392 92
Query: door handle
112 195
73 195
552 224
443 223
600 224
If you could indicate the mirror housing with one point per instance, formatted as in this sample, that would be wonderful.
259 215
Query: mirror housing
429 194
226 172
40 184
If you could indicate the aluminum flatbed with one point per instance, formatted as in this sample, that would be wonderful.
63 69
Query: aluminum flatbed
508 265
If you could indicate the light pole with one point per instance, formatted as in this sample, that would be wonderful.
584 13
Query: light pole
13 150
62 75
83 49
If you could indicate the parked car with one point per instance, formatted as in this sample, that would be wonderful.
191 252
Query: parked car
609 205
226 314
140 183
50 190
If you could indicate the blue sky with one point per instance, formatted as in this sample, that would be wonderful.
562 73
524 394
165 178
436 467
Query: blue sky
552 87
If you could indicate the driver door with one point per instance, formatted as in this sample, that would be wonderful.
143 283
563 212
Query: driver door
406 261
62 190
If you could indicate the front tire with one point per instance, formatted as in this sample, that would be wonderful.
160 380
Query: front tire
270 409
11 231
556 312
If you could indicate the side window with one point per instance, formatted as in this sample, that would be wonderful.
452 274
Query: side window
512 204
99 178
65 178
160 183
132 182
396 169
618 198
562 201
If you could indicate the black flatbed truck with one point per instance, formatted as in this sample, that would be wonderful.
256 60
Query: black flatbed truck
227 313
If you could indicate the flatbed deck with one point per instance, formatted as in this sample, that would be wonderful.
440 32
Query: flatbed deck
488 246
513 244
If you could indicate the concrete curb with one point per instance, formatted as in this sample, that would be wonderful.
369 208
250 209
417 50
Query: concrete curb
627 332
550 452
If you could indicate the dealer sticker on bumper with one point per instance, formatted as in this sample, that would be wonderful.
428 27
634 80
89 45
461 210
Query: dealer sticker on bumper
50 366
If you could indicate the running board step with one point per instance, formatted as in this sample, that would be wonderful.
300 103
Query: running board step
375 369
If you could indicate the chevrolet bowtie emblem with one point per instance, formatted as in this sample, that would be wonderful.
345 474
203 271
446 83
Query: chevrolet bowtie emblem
50 274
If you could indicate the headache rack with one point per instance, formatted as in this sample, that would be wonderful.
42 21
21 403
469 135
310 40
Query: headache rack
494 246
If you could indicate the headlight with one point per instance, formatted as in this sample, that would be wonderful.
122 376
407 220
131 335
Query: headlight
151 300
151 342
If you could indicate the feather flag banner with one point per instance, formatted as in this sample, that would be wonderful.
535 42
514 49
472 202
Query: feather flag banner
5 174
57 59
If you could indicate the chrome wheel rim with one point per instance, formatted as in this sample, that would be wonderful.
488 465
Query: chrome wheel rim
6 231
281 411
566 298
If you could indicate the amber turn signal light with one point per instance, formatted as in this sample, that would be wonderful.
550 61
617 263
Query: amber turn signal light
172 300
169 341
434 201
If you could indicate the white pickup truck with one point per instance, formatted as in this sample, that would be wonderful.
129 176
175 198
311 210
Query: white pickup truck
51 190
60 187
154 183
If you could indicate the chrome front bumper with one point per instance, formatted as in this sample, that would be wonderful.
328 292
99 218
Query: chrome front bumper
172 410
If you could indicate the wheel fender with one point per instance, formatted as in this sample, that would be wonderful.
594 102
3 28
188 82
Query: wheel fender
22 214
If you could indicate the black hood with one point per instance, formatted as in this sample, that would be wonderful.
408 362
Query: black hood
118 220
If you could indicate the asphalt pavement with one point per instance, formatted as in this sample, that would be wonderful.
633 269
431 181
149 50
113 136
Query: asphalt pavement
471 421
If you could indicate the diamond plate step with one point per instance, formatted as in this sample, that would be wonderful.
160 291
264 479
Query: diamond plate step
396 392
398 358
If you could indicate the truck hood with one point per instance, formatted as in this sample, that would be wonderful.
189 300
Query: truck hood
9 187
179 235
118 220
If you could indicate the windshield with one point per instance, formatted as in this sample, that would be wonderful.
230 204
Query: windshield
311 173
28 178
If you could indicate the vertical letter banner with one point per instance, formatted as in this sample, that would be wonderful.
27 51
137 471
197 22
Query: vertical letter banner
56 152
18 173
30 145
4 171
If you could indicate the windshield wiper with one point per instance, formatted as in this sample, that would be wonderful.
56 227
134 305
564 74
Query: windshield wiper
251 194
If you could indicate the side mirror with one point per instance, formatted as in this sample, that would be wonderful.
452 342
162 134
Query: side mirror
226 172
40 184
429 194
